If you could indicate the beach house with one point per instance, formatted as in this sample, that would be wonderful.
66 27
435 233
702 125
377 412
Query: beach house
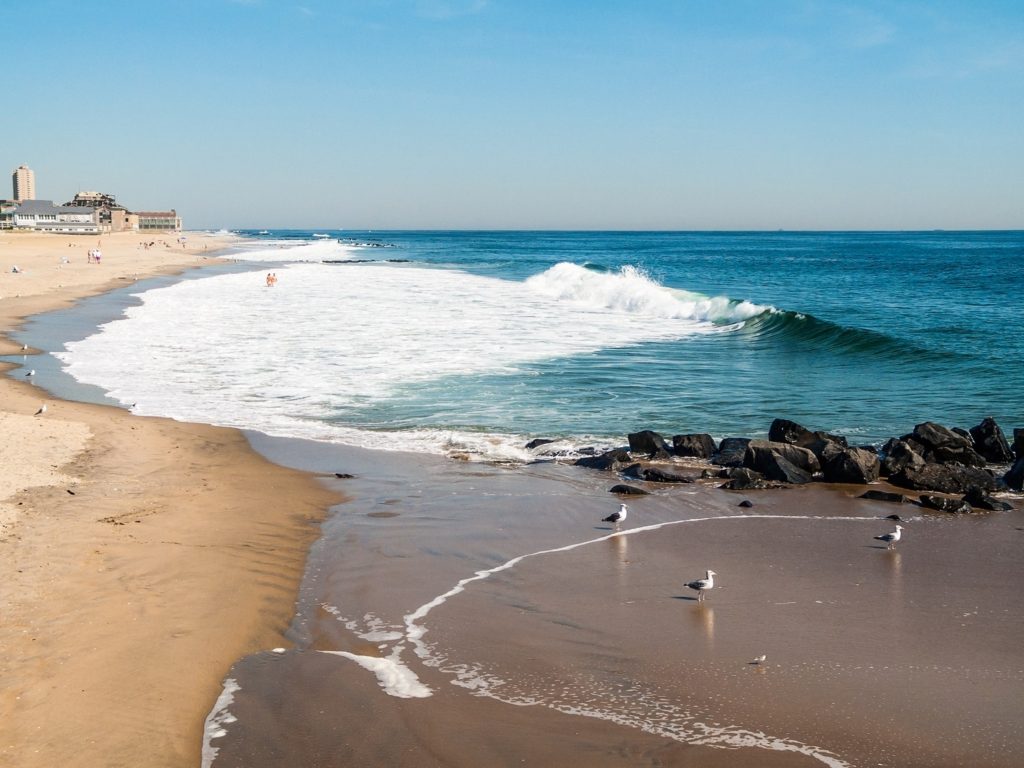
45 216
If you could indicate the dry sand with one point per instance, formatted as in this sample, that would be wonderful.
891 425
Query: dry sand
139 558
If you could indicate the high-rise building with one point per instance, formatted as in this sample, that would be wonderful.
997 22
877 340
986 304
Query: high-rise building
24 179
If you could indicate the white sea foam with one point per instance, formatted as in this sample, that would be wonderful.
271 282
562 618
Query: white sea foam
296 251
330 339
394 677
219 717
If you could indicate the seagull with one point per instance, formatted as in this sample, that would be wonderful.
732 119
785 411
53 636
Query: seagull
616 517
24 347
759 659
891 538
708 582
31 373
41 411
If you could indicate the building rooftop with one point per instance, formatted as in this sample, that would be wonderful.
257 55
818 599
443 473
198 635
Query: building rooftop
29 207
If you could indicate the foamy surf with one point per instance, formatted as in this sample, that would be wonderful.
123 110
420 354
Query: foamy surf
217 720
318 355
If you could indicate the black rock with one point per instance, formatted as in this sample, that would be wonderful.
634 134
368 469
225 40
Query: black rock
990 442
655 474
762 457
746 503
612 459
978 499
701 446
946 504
343 475
647 442
943 445
899 454
627 490
944 478
1018 443
850 465
538 442
743 479
793 454
894 517
897 498
1014 478
786 431
730 452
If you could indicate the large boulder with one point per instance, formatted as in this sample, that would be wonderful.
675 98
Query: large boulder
978 499
990 442
655 474
944 478
1018 443
730 452
700 446
898 455
850 465
761 456
794 454
647 442
1015 477
946 504
943 446
743 479
786 431
612 460
627 490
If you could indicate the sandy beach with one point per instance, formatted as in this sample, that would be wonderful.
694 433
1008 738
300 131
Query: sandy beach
140 557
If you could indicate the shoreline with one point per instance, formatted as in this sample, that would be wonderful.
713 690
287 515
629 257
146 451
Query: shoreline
141 556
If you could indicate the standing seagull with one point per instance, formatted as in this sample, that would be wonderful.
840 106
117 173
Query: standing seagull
891 538
616 517
708 582
31 373
41 411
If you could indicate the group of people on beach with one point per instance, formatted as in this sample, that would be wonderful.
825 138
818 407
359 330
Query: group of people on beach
94 255
271 279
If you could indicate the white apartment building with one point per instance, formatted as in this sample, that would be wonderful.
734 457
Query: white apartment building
24 183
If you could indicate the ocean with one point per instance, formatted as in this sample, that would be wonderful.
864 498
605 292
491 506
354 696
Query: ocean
472 343
467 605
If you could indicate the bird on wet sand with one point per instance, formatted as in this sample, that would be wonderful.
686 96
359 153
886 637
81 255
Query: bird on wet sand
891 538
31 373
700 585
41 411
616 517
759 659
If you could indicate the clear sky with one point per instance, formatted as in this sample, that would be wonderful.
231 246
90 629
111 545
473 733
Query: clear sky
582 114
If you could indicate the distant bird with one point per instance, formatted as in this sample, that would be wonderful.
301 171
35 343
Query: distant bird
708 582
41 411
24 347
759 659
31 373
891 538
616 517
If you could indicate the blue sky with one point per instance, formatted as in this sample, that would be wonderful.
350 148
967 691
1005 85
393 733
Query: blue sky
685 114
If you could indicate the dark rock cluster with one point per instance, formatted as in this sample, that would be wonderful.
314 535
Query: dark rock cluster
931 459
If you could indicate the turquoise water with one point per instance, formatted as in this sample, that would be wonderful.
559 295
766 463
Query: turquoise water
873 333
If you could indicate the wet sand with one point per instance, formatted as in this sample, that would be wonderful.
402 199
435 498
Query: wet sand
138 557
598 655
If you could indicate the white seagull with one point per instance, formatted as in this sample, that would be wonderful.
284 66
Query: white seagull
708 582
759 659
41 411
616 517
891 538
31 373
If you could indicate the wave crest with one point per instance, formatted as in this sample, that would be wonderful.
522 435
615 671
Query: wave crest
632 291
